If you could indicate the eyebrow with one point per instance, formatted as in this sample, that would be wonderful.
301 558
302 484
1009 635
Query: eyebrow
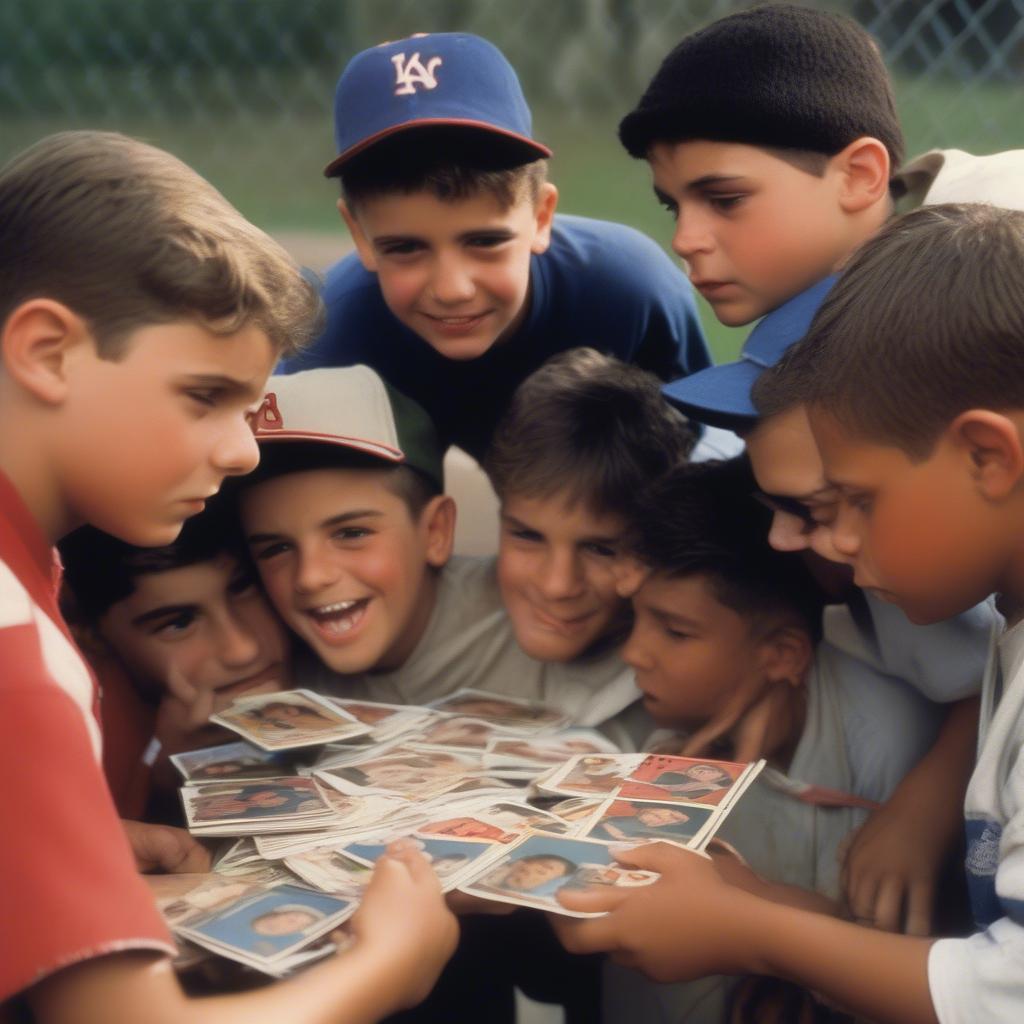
163 612
464 236
673 618
220 381
592 539
339 520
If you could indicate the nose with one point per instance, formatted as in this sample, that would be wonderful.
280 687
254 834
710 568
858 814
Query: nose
560 576
238 644
691 236
788 532
843 534
315 571
635 651
236 452
452 282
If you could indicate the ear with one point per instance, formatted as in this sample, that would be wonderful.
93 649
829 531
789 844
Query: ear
864 169
36 340
544 214
993 444
359 239
785 655
437 520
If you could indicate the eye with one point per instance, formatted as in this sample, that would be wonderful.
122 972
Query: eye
725 203
863 503
243 585
174 625
351 533
264 552
487 240
677 634
669 205
524 533
203 396
401 248
600 550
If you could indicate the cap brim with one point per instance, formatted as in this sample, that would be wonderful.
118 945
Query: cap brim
374 448
534 150
719 395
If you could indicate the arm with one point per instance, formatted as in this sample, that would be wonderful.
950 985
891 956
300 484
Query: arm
691 923
893 861
403 937
165 848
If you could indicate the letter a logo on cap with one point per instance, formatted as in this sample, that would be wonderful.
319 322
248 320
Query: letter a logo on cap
267 416
412 72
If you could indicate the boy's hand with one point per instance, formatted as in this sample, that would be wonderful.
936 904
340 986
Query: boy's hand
461 903
891 866
162 848
681 927
404 924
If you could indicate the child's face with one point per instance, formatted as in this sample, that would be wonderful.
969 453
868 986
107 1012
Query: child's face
657 817
557 573
344 564
691 653
753 229
532 872
147 438
455 272
284 922
786 464
208 624
917 533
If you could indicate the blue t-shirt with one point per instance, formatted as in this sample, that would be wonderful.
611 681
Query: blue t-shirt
599 284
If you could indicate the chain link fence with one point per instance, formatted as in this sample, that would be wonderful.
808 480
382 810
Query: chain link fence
242 88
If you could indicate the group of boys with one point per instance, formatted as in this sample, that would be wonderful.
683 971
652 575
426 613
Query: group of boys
643 579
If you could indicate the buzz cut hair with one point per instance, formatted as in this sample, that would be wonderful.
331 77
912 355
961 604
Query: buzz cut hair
925 323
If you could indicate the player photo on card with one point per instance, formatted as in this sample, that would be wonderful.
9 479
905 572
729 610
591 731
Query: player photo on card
270 925
450 858
590 774
331 871
533 871
253 801
512 715
293 718
457 733
546 750
185 898
681 779
231 762
415 773
629 821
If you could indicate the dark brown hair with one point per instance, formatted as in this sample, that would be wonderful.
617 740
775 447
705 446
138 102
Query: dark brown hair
588 427
926 322
126 235
450 164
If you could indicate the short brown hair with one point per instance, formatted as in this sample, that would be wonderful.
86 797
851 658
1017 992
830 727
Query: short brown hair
589 427
926 322
449 163
127 235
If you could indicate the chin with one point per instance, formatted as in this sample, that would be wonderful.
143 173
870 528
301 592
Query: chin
547 649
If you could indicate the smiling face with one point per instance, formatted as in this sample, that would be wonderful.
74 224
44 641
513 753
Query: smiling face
753 229
143 441
557 571
455 272
919 533
209 624
692 654
345 564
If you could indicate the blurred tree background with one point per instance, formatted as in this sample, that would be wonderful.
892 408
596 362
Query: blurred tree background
242 89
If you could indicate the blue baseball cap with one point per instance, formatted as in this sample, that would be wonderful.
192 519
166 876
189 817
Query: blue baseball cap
720 395
438 78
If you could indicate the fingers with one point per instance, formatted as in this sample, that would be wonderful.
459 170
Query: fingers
888 910
920 900
862 899
599 899
411 856
596 935
660 857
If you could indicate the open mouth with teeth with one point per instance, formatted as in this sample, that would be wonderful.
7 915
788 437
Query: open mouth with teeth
338 619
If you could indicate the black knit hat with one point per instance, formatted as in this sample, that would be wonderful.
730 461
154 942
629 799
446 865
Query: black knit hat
779 75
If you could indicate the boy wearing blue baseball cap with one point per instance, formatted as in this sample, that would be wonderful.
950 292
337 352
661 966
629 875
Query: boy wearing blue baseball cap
464 281
777 172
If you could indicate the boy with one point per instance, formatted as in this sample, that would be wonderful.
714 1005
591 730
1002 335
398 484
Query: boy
174 633
350 531
910 380
723 624
775 176
463 281
581 438
139 317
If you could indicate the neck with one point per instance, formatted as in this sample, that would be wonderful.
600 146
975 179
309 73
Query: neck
28 470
